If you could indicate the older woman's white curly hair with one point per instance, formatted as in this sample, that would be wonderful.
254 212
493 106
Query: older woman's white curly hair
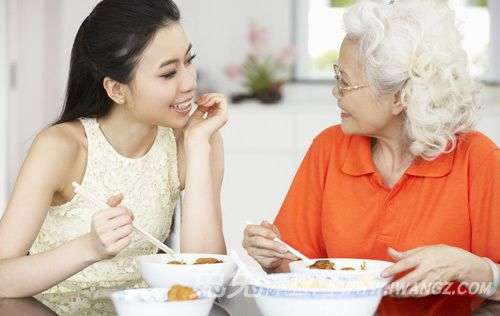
414 46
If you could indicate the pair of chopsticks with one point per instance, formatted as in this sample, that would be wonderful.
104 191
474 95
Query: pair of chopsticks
292 250
78 189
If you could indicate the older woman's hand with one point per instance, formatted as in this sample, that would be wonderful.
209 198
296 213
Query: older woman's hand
434 267
259 244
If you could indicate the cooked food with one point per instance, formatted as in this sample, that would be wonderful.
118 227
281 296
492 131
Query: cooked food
323 265
207 261
198 261
176 262
181 293
328 265
348 269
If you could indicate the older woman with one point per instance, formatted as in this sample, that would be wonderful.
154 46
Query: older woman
404 177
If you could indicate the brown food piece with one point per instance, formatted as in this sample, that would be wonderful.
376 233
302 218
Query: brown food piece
323 265
176 262
348 269
181 293
207 261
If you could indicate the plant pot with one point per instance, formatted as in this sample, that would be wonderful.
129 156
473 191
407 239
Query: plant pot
269 97
240 97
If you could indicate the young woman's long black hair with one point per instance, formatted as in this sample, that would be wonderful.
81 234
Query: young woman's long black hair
109 44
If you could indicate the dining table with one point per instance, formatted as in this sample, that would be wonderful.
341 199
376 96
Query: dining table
236 305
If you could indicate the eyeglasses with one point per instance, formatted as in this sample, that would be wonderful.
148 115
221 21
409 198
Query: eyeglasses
341 85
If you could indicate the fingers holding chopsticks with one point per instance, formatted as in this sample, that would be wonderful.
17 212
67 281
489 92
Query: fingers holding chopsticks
259 244
111 229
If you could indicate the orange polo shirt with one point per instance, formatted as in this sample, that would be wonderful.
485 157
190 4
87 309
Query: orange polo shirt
338 207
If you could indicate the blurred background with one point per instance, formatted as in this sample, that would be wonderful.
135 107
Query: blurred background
273 58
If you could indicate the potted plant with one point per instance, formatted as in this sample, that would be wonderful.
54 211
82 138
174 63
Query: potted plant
263 72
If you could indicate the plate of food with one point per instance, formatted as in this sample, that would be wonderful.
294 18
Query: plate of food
297 294
191 269
178 300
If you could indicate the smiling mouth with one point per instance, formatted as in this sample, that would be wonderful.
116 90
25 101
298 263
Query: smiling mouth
182 106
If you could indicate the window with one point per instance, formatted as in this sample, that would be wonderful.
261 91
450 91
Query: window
319 33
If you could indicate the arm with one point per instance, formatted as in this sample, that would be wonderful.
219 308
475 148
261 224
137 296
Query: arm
202 148
201 227
41 175
45 172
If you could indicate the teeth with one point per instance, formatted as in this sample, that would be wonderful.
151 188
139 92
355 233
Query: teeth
181 107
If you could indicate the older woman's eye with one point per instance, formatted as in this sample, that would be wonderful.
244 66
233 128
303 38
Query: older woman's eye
190 59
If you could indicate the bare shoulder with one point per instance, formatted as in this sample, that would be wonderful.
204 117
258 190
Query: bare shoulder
57 149
63 140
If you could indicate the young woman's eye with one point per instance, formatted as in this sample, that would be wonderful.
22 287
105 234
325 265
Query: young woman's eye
190 59
170 75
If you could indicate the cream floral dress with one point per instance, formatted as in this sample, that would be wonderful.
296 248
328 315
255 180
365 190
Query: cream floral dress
150 186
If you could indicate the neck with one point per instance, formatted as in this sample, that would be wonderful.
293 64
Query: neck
391 150
126 134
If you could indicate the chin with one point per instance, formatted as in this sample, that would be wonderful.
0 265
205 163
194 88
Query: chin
174 123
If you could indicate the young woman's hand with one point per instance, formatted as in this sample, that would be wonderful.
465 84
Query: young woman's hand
111 229
201 128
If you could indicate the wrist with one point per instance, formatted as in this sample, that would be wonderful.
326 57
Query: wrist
493 280
478 270
89 252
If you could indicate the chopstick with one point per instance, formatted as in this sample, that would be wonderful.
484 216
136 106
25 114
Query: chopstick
78 189
292 250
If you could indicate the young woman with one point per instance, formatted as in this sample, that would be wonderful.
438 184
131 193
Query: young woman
126 127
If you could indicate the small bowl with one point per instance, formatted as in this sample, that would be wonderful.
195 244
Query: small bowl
297 294
157 273
373 267
153 302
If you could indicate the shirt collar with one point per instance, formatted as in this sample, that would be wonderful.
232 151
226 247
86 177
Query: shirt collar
358 161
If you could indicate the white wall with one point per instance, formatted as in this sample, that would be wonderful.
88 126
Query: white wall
4 86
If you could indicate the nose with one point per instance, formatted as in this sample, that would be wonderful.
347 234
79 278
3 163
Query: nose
187 80
335 92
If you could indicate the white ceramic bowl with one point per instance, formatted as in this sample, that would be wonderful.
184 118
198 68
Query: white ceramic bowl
298 294
373 267
153 302
157 273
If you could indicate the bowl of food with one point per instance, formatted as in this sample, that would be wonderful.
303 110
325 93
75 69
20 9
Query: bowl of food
190 269
342 267
297 294
177 300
